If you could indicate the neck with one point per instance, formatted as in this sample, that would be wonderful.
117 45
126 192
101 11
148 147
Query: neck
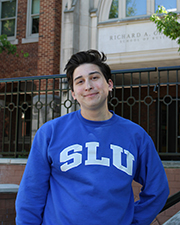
96 116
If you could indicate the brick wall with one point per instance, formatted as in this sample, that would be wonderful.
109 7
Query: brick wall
12 66
49 37
10 173
7 208
44 56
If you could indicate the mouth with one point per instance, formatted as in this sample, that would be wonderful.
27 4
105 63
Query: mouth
91 94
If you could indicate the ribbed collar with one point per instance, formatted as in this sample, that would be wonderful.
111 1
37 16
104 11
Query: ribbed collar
108 122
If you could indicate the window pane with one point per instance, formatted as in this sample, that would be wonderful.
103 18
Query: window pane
166 3
8 9
35 25
35 6
8 27
135 7
114 9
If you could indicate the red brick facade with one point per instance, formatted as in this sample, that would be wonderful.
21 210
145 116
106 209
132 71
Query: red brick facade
7 208
12 66
49 37
44 55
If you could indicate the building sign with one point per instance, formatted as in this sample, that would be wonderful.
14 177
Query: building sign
132 38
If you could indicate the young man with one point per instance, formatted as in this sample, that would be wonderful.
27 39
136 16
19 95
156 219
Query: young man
81 165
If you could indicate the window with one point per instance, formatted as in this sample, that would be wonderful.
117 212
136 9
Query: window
35 8
169 5
32 29
8 15
114 9
128 8
135 7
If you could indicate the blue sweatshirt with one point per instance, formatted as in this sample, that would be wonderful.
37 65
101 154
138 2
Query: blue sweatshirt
80 172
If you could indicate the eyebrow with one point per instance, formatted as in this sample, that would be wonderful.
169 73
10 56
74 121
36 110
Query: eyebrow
91 73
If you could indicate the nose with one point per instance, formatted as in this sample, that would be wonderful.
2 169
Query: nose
88 85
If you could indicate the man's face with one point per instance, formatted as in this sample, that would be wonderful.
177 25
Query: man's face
90 87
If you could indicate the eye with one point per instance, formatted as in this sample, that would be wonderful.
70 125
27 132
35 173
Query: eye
79 82
94 77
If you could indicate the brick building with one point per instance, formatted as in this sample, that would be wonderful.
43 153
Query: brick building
36 30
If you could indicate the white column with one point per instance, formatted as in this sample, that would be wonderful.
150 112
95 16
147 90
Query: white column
93 44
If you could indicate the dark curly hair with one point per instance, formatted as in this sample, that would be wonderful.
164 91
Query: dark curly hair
90 56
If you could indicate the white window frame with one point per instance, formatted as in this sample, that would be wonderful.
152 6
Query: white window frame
106 6
30 38
122 10
12 39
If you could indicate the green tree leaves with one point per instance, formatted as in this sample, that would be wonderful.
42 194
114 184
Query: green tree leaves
166 23
6 45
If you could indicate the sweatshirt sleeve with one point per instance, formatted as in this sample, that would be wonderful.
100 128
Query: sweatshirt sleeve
151 175
34 186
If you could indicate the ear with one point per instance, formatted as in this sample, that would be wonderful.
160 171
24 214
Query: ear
73 95
110 83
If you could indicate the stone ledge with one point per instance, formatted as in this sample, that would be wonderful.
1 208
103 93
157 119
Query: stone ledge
9 188
171 164
13 161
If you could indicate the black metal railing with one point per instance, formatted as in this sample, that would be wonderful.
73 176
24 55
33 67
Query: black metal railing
147 96
25 104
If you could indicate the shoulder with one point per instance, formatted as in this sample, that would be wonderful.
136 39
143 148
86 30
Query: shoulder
132 130
128 124
59 122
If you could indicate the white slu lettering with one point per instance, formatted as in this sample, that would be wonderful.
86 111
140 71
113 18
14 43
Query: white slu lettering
117 162
92 152
71 158
65 156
